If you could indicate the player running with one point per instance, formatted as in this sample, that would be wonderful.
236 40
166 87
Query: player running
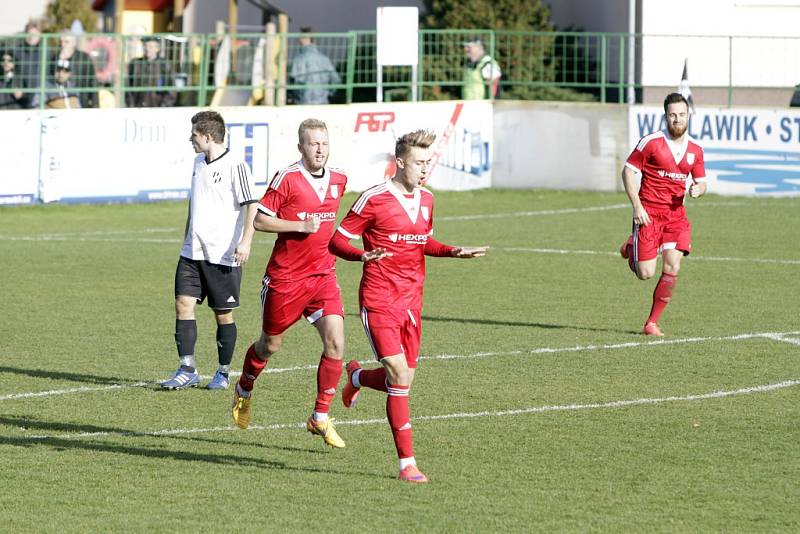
395 219
300 205
667 161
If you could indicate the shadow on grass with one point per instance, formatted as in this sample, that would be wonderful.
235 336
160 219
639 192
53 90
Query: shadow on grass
491 322
60 375
524 324
28 423
90 443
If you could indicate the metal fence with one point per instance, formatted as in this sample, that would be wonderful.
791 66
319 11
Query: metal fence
110 70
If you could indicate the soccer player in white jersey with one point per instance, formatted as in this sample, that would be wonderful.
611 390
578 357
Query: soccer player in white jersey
300 206
670 162
219 232
395 219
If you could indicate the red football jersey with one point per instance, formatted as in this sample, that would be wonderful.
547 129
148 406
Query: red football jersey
295 195
385 217
666 168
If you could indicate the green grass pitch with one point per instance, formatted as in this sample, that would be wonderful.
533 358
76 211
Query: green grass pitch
537 405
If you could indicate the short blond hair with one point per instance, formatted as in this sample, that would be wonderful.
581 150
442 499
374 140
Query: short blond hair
419 139
310 124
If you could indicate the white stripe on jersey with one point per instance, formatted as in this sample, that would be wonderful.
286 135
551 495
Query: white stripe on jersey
366 195
647 138
243 184
348 234
276 181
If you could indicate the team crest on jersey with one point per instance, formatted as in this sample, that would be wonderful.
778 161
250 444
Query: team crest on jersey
334 191
425 213
690 158
216 177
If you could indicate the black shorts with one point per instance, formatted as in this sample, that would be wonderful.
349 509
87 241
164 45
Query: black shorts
201 279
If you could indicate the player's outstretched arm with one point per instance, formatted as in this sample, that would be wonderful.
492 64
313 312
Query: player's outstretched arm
469 252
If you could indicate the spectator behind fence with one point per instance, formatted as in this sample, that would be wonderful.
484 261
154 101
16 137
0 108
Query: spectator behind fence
28 63
61 93
313 69
16 99
152 70
482 73
82 73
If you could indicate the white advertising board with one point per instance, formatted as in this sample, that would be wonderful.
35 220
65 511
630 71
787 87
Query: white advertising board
747 151
141 155
19 159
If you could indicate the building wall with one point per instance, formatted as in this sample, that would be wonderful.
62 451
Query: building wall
201 15
590 15
14 15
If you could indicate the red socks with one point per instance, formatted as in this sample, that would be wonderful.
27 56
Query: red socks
373 379
251 369
661 296
328 374
399 415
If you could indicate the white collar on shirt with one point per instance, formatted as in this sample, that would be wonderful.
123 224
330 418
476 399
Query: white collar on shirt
318 183
410 205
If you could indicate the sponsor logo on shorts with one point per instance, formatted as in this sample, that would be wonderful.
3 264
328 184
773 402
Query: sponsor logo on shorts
414 239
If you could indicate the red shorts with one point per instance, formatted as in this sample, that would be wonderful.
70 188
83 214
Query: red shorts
668 229
283 303
392 332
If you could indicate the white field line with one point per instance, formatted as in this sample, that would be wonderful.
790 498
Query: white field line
784 338
566 211
462 415
775 336
563 211
616 254
100 234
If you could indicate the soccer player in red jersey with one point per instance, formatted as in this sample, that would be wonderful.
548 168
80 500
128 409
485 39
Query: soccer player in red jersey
669 162
395 219
300 205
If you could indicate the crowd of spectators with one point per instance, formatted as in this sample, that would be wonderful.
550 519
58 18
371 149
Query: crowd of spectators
63 75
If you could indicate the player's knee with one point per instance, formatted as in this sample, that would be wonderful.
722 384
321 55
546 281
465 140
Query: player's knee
400 376
334 346
184 308
267 346
644 274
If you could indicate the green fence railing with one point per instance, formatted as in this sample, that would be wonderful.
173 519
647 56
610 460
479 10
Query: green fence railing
112 70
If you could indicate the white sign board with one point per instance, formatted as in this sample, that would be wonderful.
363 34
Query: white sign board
397 36
19 159
747 151
143 155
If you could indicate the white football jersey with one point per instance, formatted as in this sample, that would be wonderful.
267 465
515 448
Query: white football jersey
221 190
